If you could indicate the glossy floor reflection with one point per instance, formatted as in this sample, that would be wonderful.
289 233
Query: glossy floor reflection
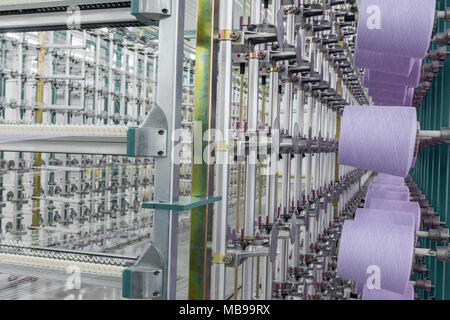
19 287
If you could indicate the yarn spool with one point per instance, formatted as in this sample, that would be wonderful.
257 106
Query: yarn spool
412 80
387 195
360 287
400 27
405 215
381 294
416 155
384 86
413 208
389 95
380 139
409 97
387 103
383 101
383 175
390 182
387 181
402 218
388 247
383 62
389 177
388 187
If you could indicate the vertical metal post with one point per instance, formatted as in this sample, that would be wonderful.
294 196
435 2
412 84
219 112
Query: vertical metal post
167 178
39 119
273 177
202 171
250 189
336 159
224 94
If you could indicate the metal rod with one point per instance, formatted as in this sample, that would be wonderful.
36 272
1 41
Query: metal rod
39 119
202 170
425 252
429 134
170 77
423 234
224 97
250 188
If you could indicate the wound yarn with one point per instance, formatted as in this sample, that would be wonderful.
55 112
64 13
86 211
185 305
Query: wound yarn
412 80
384 102
388 187
389 95
379 61
400 27
412 208
409 97
384 178
380 139
366 247
416 155
386 216
386 195
381 294
384 86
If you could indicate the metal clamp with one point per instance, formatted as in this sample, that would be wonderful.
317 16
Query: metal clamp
239 256
443 253
144 279
151 11
150 140
229 35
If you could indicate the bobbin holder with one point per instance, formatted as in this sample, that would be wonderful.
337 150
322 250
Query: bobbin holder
443 253
443 38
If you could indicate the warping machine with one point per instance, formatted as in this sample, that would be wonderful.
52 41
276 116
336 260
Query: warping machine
153 161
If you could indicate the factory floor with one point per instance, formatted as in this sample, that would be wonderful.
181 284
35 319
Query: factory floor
27 287
19 287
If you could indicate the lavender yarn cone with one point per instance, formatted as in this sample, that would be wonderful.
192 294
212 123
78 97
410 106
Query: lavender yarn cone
379 61
400 27
389 95
386 195
381 294
409 97
412 80
380 139
413 208
386 216
367 247
383 178
384 86
388 187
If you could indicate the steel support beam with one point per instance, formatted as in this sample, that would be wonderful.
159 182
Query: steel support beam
202 171
167 177
224 97
251 173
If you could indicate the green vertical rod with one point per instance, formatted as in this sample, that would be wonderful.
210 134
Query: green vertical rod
202 171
